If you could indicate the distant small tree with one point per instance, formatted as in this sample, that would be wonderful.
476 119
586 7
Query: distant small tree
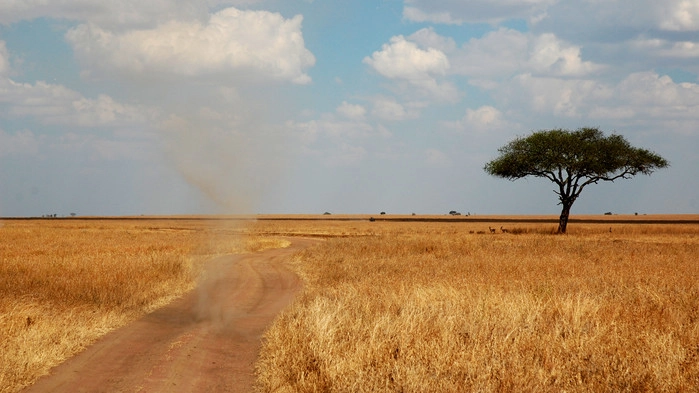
572 160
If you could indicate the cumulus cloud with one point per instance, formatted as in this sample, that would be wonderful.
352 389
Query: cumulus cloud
97 148
416 14
389 109
428 38
474 11
504 52
331 127
4 60
56 104
679 15
483 119
647 94
230 41
351 111
553 56
347 155
21 142
404 60
436 158
330 143
497 53
666 48
126 136
670 15
340 138
651 33
560 97
123 14
617 22
643 98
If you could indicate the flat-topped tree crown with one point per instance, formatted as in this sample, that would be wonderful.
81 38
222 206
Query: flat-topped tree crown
573 160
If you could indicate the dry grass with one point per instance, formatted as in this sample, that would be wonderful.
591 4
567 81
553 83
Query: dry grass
63 284
387 306
431 307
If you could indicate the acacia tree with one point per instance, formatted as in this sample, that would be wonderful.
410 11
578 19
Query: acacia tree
572 160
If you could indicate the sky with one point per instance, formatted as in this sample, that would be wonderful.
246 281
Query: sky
346 106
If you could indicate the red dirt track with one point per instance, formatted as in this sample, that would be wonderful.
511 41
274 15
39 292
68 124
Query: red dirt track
206 341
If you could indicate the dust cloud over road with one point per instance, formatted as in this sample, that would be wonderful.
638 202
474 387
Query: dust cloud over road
206 341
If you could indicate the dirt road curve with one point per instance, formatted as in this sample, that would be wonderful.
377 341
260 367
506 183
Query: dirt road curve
206 341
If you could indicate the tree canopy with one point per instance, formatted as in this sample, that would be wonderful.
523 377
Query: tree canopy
573 160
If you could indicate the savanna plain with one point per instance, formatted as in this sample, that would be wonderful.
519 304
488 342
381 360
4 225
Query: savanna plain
393 305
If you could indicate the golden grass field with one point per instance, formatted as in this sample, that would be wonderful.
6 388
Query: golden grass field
64 283
413 306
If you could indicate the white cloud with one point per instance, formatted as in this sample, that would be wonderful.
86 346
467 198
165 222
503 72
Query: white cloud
667 49
435 158
4 60
504 52
112 14
114 150
560 97
617 21
484 116
93 147
682 15
388 109
56 104
104 110
428 38
498 53
483 119
553 56
404 60
643 99
347 155
231 41
330 127
649 92
650 34
342 154
340 138
99 149
474 11
22 142
351 111
415 14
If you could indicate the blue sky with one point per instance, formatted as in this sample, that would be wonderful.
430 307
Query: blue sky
307 106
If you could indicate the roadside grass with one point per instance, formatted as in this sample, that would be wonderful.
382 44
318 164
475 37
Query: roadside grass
65 283
430 307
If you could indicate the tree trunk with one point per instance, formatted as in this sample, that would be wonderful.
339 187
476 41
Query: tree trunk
563 220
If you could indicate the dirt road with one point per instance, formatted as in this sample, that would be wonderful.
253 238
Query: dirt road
206 341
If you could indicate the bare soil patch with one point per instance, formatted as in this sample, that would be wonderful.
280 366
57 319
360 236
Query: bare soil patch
206 341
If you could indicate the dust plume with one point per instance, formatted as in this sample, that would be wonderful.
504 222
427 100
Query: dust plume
231 161
212 80
214 284
234 159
